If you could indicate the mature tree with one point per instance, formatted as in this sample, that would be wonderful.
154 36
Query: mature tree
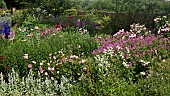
2 4
19 3
54 6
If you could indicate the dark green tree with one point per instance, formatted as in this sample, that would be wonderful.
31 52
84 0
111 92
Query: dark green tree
2 4
54 6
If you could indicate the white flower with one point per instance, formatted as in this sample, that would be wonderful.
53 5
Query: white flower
163 60
46 73
127 49
118 47
142 73
125 64
36 28
141 61
33 62
146 63
41 64
164 17
48 64
132 36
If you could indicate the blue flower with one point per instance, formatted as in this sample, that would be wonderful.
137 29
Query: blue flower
6 29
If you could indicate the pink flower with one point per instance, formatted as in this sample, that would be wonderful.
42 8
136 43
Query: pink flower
85 69
41 70
73 56
52 69
64 59
82 61
25 56
29 66
52 78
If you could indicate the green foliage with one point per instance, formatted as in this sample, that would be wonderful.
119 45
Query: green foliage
54 6
51 62
120 6
2 4
38 47
30 85
158 84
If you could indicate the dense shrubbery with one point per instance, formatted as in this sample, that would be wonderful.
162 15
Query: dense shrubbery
72 55
91 64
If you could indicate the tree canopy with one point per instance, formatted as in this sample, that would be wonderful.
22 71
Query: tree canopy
2 4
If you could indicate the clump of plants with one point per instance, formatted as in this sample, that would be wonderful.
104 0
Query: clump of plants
137 50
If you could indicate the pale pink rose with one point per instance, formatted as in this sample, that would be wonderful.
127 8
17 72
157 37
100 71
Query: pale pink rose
41 70
52 78
29 66
25 56
85 30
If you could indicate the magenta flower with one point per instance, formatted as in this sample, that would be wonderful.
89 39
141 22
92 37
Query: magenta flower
52 69
41 70
64 59
29 66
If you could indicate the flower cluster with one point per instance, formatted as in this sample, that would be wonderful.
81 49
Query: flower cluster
162 26
134 48
137 29
61 64
5 23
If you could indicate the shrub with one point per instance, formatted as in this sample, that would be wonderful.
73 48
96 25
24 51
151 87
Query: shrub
136 51
2 4
30 85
